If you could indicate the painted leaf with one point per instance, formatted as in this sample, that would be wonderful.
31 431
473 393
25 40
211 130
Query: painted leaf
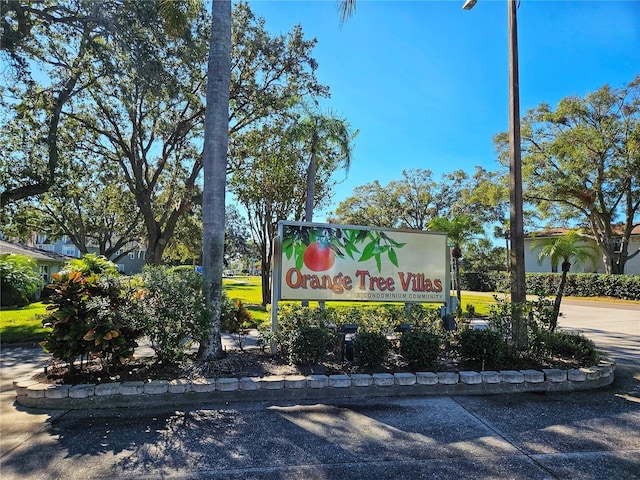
368 252
393 258
299 256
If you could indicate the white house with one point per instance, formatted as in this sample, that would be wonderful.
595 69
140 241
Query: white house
531 256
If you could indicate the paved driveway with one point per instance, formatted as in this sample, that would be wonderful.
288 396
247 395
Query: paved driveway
582 435
614 327
588 435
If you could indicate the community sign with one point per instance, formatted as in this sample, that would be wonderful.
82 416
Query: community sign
345 262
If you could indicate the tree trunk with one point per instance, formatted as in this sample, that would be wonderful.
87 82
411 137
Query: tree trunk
617 264
311 181
456 266
216 144
155 249
556 304
265 269
266 290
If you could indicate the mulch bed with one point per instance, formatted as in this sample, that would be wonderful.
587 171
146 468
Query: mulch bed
250 363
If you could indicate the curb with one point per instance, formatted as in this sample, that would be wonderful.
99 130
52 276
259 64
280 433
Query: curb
32 394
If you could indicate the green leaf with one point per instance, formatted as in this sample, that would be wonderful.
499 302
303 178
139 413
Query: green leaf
393 258
299 256
368 252
287 247
362 234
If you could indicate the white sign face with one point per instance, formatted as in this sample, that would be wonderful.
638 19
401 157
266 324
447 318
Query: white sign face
345 262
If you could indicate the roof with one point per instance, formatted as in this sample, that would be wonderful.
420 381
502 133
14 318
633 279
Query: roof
35 253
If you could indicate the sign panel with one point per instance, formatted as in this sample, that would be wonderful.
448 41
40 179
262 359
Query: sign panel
346 262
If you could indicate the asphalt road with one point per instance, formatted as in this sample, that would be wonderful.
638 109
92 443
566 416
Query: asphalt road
582 435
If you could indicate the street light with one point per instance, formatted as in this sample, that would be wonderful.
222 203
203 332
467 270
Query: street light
469 4
516 227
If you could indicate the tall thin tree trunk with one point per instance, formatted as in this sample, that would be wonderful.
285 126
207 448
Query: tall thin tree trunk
311 184
216 143
456 263
556 304
311 181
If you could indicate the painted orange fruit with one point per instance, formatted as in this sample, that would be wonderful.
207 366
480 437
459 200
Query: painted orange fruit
318 257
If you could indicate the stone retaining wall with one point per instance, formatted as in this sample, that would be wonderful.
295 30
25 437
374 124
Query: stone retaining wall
30 393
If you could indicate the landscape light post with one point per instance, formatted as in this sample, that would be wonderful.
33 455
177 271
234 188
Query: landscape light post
516 227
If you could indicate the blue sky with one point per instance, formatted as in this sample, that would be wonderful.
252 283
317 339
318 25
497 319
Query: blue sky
426 82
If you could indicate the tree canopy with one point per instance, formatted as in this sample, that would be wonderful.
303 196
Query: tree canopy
273 183
417 199
581 166
111 88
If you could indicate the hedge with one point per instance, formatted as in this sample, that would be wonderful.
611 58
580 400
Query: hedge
625 287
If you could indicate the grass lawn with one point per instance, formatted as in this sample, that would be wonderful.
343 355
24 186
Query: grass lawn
249 290
25 324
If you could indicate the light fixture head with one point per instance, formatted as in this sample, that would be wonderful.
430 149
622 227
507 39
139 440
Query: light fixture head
469 4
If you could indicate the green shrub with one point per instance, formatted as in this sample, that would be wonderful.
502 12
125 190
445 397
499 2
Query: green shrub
420 347
500 314
234 315
174 314
470 311
626 287
90 314
480 281
385 318
484 346
307 345
19 280
235 319
545 345
370 348
92 263
293 316
424 317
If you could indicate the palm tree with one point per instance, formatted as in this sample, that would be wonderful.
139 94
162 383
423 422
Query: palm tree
320 133
569 247
176 15
347 8
459 230
216 144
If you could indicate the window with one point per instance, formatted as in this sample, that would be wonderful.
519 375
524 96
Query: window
70 250
44 273
121 267
132 255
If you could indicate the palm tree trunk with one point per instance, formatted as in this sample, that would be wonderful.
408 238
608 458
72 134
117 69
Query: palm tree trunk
456 265
216 144
556 303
